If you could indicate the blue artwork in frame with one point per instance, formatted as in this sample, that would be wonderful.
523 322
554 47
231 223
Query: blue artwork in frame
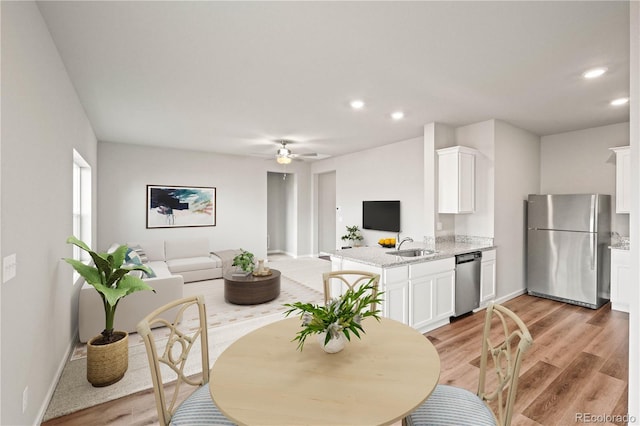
180 206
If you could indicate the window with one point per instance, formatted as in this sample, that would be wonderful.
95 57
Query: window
81 204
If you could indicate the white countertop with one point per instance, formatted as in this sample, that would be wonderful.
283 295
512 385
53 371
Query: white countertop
619 246
619 242
377 256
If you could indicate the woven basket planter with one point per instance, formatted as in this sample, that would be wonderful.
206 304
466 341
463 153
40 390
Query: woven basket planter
106 364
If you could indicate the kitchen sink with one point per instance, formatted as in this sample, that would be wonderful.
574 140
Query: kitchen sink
412 252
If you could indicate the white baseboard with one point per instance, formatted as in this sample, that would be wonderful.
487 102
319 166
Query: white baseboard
52 388
502 299
511 296
433 325
293 255
286 253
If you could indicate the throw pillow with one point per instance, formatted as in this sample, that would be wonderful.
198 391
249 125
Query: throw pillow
151 274
132 257
141 253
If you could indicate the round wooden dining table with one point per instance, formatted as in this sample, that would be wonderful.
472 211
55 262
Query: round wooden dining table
262 379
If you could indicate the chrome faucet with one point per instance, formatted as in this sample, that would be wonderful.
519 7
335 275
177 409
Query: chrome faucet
405 239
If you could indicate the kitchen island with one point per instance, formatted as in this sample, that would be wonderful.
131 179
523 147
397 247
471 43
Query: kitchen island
419 291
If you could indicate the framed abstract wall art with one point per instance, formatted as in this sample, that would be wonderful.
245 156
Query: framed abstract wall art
180 206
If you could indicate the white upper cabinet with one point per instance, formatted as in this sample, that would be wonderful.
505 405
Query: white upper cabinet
623 179
456 180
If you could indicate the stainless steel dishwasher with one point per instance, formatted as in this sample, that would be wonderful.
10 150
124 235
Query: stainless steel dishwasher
467 282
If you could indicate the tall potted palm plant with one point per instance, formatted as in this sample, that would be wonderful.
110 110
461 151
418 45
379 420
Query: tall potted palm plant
108 353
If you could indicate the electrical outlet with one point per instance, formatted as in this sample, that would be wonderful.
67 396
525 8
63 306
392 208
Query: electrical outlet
25 399
9 267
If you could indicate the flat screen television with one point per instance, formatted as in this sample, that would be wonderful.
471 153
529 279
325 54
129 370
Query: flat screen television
381 215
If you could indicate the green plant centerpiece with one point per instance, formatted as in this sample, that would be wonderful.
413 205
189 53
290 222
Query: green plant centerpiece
110 276
338 317
353 235
244 260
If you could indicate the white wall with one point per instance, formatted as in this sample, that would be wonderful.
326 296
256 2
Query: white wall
291 214
517 174
581 162
241 194
390 172
42 122
634 311
304 215
436 136
480 136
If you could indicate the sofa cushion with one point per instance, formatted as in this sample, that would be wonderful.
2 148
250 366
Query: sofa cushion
192 264
188 248
153 249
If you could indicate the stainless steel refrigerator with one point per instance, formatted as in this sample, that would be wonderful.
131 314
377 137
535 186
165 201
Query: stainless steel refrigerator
567 248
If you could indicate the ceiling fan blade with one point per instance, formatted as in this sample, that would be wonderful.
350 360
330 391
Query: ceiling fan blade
308 155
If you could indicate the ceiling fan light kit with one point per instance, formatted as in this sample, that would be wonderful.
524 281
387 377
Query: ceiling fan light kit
284 154
283 159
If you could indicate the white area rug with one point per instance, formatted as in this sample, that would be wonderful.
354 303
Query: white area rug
301 280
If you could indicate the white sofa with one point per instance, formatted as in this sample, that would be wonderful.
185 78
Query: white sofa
175 262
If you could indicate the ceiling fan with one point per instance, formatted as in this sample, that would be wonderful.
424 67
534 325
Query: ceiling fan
284 154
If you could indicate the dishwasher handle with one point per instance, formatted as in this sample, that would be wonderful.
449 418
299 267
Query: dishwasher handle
468 257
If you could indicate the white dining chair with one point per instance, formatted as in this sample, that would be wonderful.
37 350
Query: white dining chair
449 405
352 280
198 408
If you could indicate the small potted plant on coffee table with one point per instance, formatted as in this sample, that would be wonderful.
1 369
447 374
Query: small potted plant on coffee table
245 263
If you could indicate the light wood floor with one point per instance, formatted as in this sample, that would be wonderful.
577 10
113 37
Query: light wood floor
578 364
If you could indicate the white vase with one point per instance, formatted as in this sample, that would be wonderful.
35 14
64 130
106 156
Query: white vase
335 344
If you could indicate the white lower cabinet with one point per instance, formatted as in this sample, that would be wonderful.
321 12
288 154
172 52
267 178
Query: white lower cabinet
421 294
444 284
418 294
396 293
431 293
487 277
620 279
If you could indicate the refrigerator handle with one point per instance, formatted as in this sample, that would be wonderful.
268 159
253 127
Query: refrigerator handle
594 246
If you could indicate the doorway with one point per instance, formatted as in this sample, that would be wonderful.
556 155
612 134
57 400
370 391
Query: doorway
281 214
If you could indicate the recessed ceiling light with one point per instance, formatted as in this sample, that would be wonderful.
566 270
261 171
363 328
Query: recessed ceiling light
619 101
398 115
357 104
594 73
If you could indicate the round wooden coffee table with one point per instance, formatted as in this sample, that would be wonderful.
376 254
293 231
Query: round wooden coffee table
251 290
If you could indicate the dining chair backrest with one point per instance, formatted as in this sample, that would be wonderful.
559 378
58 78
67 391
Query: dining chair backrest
500 362
168 354
352 280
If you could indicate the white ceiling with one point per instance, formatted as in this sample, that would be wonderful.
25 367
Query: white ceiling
232 77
